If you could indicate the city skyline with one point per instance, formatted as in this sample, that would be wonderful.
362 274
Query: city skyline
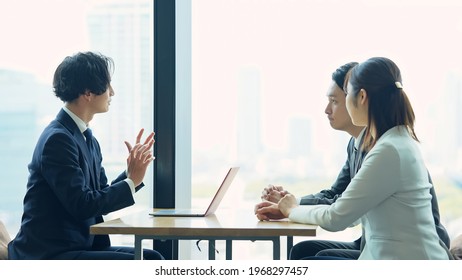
258 86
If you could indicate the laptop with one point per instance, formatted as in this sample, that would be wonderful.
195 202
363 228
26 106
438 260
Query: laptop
213 204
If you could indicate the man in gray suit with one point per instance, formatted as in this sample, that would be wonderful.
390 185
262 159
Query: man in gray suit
339 120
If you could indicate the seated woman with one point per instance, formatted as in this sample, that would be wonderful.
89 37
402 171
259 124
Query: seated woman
390 193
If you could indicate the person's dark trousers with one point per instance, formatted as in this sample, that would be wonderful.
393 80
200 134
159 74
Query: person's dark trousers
352 254
326 258
110 253
325 248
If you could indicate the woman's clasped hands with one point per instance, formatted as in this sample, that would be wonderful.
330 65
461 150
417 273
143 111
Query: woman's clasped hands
267 210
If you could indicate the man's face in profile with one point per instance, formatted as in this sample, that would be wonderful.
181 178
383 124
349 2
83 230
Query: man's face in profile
336 109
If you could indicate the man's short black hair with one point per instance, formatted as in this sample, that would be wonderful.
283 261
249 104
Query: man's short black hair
82 72
339 74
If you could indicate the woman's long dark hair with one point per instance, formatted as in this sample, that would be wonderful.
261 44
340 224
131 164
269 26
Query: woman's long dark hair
389 105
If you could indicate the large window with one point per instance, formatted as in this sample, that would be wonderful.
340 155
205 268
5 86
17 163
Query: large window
37 35
260 72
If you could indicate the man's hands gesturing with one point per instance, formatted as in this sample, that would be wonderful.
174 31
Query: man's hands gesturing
139 157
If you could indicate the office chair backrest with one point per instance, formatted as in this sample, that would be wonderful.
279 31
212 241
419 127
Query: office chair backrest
4 240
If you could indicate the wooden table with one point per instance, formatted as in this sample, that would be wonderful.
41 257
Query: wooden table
224 225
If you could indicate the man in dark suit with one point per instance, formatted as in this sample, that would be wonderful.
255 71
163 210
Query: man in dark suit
339 120
67 189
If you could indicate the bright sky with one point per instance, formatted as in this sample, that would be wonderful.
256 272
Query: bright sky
296 43
37 34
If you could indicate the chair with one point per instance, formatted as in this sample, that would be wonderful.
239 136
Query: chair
4 240
456 247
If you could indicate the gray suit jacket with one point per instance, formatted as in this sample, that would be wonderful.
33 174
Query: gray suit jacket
351 166
391 196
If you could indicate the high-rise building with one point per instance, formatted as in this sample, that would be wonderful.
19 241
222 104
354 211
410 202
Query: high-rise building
22 119
299 138
249 145
451 130
123 31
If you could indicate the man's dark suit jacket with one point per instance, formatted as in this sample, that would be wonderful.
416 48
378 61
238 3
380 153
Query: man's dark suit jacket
352 165
65 195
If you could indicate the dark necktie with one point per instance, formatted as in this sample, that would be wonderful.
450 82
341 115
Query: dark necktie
359 156
88 138
356 157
